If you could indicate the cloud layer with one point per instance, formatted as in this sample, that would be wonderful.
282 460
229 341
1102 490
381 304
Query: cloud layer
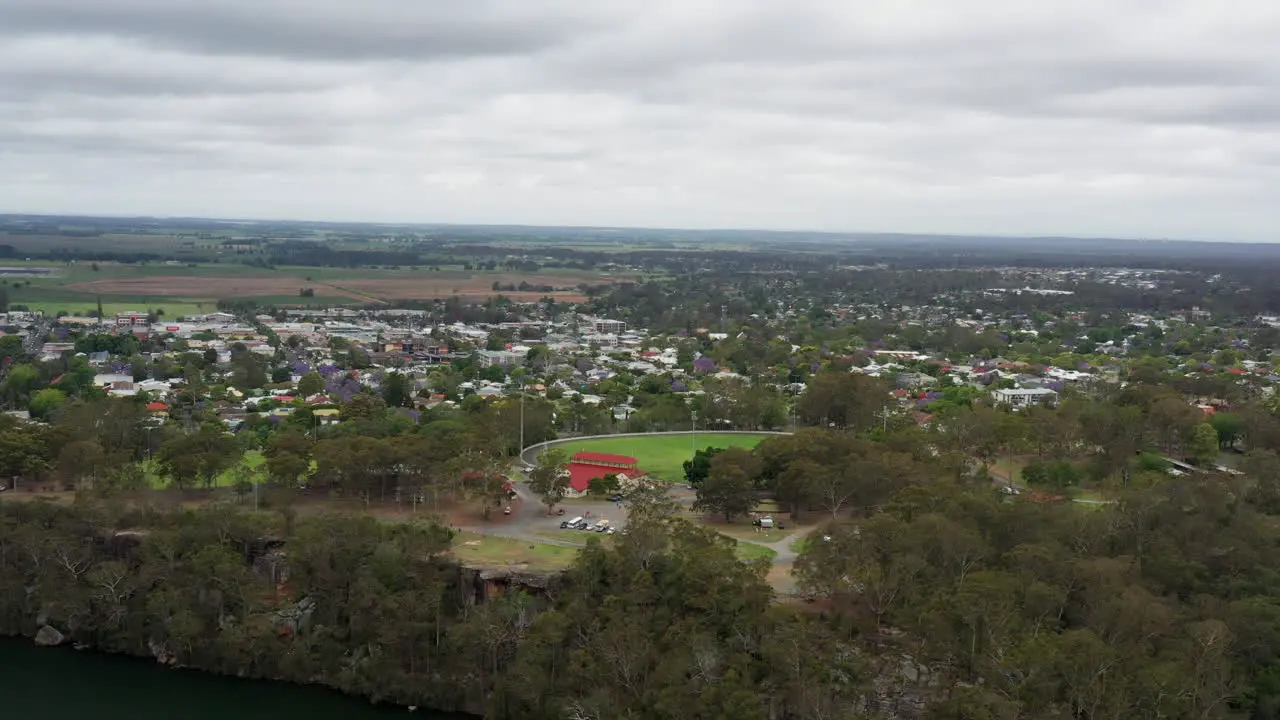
1147 118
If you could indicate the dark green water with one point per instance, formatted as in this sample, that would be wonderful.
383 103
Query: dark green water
66 684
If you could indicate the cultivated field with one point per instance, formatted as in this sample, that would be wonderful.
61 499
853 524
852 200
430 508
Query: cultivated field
75 287
663 456
207 286
480 285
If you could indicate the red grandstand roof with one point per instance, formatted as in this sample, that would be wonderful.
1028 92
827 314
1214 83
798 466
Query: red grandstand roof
590 457
581 474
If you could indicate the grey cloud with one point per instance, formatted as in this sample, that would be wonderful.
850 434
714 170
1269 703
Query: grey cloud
986 116
370 29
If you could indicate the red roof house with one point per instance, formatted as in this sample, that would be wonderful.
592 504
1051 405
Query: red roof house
157 407
587 466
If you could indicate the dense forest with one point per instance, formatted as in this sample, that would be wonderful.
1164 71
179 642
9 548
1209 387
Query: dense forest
949 600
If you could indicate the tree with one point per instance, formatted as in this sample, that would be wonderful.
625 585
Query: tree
605 485
78 460
288 456
396 391
697 468
363 405
730 485
1229 426
549 479
19 384
1057 474
310 384
10 347
843 400
200 456
46 402
1202 446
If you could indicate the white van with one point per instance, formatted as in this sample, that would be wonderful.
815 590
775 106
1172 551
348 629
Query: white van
766 523
565 524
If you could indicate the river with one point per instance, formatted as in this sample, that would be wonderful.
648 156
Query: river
59 683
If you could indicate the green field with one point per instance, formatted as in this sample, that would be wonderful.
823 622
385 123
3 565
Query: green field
748 551
173 308
473 548
662 456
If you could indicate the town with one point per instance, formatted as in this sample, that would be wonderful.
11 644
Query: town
805 424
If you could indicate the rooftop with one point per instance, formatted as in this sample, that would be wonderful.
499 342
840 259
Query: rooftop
590 457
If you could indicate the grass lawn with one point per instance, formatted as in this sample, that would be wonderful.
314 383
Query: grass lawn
662 456
473 548
1090 494
750 551
173 308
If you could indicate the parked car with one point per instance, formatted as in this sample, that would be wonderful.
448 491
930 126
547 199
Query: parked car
601 526
616 497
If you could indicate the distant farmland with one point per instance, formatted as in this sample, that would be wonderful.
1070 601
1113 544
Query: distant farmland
74 288
206 286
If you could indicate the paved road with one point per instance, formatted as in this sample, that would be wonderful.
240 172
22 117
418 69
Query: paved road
786 554
529 521
529 517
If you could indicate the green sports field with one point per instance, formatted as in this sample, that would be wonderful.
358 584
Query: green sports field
662 456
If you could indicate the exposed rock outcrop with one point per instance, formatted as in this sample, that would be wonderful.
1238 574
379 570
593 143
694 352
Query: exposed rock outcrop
49 636
295 618
162 656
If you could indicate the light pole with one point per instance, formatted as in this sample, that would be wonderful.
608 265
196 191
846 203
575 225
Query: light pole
884 419
694 426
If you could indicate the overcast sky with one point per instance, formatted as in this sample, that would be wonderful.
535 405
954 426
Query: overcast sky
1135 118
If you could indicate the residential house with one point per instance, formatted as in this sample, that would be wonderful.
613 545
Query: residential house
1019 398
915 380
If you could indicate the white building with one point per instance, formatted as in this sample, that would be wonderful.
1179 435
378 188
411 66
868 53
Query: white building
1024 397
608 327
489 358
